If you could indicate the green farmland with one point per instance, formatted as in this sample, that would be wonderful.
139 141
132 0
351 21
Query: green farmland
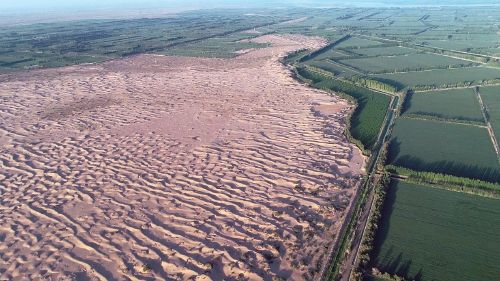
410 62
332 54
443 78
384 51
434 234
491 99
355 42
211 34
217 47
461 150
459 104
327 66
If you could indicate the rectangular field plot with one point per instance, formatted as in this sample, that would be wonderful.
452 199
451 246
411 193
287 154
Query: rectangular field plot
332 54
355 42
217 47
384 51
411 62
333 68
461 104
491 100
460 150
433 234
444 77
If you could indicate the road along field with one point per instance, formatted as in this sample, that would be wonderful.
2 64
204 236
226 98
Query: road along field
434 234
172 168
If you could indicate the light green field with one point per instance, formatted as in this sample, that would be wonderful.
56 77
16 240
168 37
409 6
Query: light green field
461 150
355 42
410 62
332 53
444 77
459 104
332 67
384 51
435 234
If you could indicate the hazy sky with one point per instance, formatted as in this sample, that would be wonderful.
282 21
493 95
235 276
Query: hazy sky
57 5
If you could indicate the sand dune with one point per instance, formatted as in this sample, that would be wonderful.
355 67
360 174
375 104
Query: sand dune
172 168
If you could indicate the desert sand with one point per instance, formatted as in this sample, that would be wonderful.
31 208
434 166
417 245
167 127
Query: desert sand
172 168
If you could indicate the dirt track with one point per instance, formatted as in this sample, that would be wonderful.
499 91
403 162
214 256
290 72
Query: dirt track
172 168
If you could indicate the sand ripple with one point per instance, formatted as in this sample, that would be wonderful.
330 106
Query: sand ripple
171 168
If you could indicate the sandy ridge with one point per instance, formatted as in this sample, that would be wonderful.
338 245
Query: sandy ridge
171 168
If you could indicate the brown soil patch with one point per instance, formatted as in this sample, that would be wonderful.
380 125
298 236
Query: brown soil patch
172 168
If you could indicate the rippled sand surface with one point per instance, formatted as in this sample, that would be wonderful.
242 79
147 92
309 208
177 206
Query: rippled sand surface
172 168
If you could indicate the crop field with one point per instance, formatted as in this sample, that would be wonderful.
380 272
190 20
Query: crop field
334 68
369 115
355 42
410 62
460 104
368 118
461 150
384 51
332 54
491 99
59 44
434 234
443 78
217 47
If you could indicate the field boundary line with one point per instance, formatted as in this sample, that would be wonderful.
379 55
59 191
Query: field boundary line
442 186
488 124
346 66
415 46
448 121
451 88
386 131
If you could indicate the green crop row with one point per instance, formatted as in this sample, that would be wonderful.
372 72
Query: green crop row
435 234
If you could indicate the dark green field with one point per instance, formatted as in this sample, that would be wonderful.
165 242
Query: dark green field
461 150
491 99
460 104
434 234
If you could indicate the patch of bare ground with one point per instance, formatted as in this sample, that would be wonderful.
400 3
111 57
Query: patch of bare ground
172 168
